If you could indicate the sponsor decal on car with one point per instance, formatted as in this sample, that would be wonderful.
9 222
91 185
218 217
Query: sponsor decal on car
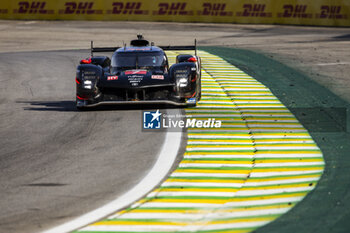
137 49
109 78
130 72
161 77
191 100
91 77
135 80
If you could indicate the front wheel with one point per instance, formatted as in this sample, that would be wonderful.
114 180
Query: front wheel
79 104
80 108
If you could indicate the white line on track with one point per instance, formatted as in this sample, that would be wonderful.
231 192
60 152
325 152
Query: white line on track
333 64
160 169
217 215
279 182
203 184
250 193
284 173
205 193
198 165
211 174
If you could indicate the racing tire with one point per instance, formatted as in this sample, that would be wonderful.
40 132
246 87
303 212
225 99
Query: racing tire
80 108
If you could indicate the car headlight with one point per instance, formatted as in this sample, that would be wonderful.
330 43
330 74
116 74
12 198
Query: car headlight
183 82
87 84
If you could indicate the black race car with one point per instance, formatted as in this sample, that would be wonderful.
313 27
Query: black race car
138 74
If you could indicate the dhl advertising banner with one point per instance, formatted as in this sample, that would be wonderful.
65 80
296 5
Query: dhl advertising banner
298 12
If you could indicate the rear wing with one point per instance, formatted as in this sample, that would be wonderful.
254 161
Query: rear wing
112 49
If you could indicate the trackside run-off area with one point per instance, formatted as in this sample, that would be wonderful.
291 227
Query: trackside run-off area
236 178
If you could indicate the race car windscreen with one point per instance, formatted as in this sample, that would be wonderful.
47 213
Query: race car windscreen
137 60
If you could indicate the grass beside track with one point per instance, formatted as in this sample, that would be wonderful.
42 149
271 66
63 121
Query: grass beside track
327 208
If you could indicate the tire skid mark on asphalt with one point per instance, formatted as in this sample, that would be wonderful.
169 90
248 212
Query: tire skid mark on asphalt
231 179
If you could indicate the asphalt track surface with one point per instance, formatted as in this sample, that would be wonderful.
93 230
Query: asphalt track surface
53 166
57 163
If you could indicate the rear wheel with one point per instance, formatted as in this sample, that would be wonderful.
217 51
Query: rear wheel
191 105
199 95
199 92
79 108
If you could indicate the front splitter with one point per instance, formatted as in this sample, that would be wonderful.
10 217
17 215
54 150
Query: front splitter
82 104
